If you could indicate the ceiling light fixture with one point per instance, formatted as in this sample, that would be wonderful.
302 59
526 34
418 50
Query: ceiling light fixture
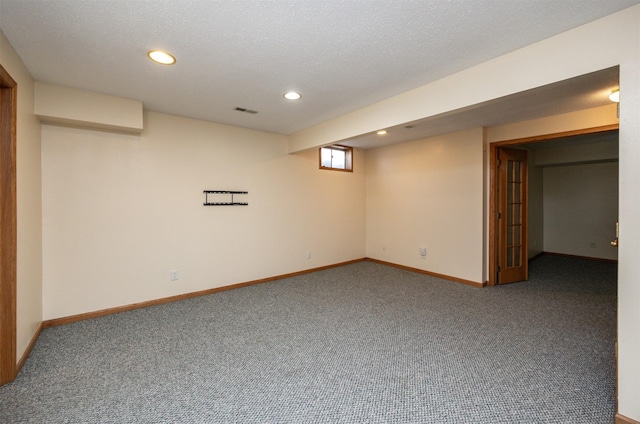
292 95
615 95
381 132
161 57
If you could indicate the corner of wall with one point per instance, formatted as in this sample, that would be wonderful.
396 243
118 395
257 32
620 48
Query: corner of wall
29 202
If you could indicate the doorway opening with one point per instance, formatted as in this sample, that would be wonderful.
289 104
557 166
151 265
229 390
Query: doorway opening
499 202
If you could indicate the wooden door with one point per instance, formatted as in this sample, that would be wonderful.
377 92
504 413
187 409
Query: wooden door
512 254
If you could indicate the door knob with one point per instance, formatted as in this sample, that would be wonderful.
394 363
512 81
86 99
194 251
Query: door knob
614 243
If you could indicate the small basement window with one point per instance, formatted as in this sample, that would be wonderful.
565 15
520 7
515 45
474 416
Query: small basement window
338 158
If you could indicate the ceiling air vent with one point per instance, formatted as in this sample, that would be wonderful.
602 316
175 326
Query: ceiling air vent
409 126
241 109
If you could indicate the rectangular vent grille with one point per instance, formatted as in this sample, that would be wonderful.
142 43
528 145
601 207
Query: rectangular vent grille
241 109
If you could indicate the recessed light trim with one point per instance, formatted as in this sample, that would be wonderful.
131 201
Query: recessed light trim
381 132
292 95
161 57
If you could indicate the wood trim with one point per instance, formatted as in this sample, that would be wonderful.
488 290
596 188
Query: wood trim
621 419
8 225
348 158
511 273
533 258
566 255
433 274
493 199
29 348
544 137
103 312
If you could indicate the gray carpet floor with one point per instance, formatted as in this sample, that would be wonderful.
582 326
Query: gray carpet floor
362 343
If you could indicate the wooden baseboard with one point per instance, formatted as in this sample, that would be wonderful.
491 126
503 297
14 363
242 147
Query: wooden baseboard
534 257
580 257
103 312
621 419
29 348
433 274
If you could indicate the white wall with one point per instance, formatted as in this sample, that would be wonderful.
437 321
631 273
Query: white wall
581 209
29 235
428 193
121 211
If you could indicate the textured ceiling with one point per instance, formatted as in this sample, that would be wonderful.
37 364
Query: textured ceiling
340 54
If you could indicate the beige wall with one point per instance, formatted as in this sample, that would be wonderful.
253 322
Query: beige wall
151 230
122 211
535 227
55 104
28 187
428 193
588 118
581 209
567 55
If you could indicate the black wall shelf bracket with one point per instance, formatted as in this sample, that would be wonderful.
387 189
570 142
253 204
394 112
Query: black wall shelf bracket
231 203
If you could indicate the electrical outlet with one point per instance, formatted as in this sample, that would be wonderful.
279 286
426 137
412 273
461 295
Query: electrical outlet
384 249
175 274
423 252
308 254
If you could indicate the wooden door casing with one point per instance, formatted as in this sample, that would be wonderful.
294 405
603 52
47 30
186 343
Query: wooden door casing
8 225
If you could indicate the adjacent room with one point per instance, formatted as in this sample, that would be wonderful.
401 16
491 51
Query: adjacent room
412 212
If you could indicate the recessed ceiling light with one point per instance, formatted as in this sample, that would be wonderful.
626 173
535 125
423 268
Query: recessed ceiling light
615 95
292 95
161 57
381 132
